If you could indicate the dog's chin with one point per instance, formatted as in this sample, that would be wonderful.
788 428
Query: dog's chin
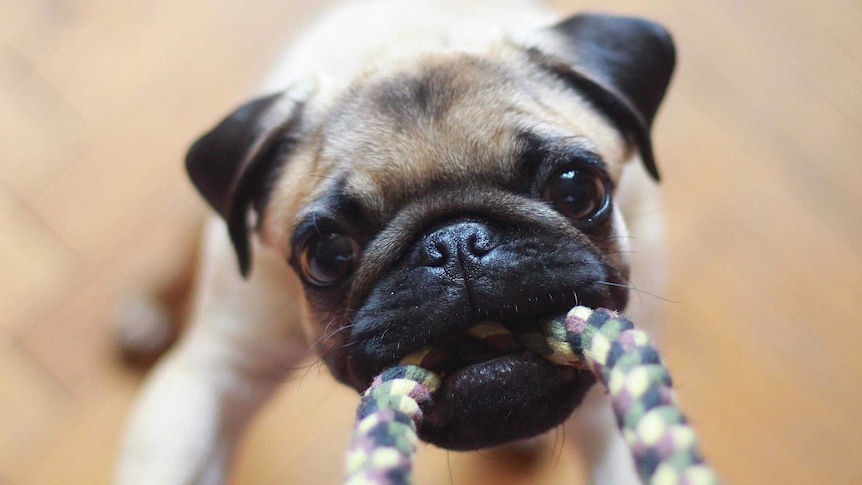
503 399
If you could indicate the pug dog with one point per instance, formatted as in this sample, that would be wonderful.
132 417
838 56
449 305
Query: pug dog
423 167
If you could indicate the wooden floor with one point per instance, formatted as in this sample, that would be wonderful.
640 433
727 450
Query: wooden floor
760 144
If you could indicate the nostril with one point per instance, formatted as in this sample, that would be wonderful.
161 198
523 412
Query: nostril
435 253
479 244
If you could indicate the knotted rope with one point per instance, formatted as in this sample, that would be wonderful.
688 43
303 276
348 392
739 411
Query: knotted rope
661 442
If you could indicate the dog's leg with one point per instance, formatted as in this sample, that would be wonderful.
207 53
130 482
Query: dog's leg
243 339
593 432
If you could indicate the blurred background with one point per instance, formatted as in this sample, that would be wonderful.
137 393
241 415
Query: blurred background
760 146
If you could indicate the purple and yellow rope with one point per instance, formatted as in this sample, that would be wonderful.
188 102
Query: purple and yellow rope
663 445
384 441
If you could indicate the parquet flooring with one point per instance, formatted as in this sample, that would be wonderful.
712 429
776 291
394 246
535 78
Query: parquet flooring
760 144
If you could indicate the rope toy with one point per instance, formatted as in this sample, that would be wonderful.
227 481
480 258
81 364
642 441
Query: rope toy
662 444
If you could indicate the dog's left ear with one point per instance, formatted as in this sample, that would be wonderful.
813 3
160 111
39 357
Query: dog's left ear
622 64
233 164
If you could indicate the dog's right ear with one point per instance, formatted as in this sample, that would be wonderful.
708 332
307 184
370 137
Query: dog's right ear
233 165
623 65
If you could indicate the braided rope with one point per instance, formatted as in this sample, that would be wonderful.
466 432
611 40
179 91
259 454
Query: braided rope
662 444
383 446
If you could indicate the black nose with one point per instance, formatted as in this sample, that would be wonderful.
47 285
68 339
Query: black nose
459 246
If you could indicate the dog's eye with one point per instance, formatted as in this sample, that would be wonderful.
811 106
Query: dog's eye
577 194
328 258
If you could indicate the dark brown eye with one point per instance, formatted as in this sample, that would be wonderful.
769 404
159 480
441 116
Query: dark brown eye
577 194
328 258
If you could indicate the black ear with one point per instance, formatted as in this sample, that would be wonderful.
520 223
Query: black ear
622 64
233 164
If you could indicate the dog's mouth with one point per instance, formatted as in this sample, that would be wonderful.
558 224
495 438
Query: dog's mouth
480 344
493 389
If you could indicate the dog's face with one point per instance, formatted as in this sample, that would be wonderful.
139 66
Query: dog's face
446 191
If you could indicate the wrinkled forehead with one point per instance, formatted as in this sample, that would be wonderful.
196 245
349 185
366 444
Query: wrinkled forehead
444 119
449 120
